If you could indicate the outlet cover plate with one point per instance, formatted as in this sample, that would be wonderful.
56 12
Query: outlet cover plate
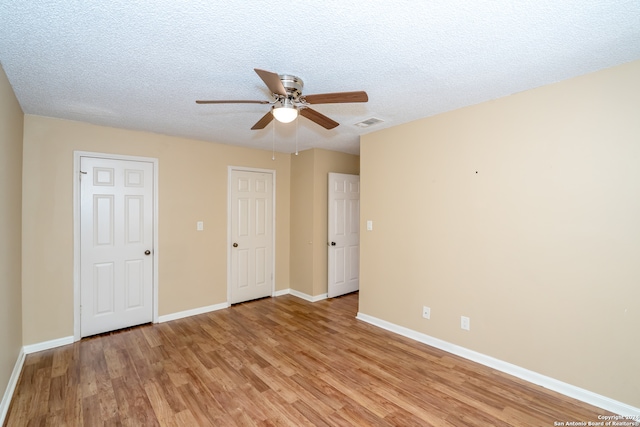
465 323
426 312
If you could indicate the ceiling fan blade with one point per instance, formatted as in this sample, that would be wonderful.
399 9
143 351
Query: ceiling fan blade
240 101
263 122
272 80
337 97
318 118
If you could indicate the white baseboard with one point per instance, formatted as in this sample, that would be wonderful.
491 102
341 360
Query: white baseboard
281 292
41 346
307 297
581 394
11 387
192 312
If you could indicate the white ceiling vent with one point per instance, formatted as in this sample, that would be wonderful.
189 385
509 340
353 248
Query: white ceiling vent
368 122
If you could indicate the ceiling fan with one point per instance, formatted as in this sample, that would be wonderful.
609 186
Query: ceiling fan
289 101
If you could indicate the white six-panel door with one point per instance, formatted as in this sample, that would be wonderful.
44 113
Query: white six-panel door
344 234
116 244
251 225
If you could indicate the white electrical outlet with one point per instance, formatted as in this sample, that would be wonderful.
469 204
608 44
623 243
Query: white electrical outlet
465 323
426 312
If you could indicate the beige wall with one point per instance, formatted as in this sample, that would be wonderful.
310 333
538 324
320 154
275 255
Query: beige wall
192 187
302 216
524 214
309 181
11 123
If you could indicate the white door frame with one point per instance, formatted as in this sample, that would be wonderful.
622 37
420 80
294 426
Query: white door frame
230 231
76 230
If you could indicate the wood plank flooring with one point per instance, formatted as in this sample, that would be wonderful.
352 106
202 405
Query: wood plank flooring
274 362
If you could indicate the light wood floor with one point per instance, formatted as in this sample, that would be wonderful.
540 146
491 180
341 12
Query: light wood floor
274 362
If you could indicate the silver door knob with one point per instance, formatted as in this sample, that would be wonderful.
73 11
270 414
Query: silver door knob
147 252
235 245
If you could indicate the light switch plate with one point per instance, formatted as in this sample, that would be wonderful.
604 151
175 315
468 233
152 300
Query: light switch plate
369 225
200 225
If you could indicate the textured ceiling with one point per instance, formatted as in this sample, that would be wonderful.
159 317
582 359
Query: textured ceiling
142 64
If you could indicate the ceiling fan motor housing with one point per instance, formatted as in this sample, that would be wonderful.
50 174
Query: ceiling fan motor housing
292 84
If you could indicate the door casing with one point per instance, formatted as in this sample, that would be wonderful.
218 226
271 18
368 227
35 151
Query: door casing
230 169
76 231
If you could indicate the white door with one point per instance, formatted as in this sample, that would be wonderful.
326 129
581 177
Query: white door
251 225
116 243
344 234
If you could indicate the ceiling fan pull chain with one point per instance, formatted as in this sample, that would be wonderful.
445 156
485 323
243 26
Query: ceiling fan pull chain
273 141
297 120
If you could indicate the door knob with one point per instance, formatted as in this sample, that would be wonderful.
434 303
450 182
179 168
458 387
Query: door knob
147 252
235 245
333 243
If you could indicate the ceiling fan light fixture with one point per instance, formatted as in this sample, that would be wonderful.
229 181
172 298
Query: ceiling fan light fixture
286 113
